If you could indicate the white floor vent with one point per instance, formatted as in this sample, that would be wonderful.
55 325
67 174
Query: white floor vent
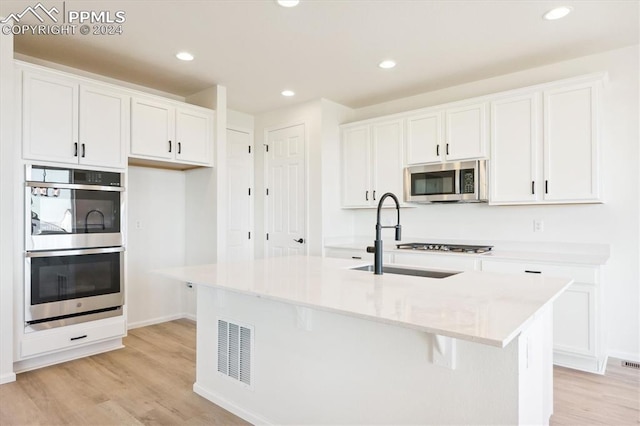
235 345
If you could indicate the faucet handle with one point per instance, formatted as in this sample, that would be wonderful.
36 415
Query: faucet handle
371 249
398 232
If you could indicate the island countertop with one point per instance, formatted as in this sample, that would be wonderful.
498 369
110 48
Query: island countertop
482 307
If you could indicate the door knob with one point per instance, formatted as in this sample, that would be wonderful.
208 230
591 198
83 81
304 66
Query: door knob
299 240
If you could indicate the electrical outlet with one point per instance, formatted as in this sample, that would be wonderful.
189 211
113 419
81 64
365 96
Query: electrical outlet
538 225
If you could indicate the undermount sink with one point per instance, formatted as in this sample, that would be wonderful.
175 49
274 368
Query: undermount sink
407 271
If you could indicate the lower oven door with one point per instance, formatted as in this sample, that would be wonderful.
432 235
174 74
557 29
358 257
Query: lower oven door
66 284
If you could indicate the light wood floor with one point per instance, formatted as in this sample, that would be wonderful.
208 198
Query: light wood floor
150 382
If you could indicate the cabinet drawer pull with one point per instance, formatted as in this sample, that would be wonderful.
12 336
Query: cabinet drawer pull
84 336
169 146
366 195
533 187
447 149
546 186
84 150
533 272
374 195
75 149
179 148
356 257
437 150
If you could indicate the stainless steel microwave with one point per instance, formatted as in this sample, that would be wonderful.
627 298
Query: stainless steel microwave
464 181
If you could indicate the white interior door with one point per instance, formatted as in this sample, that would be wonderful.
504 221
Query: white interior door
286 197
239 194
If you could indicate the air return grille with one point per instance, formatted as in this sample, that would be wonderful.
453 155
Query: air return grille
234 351
631 364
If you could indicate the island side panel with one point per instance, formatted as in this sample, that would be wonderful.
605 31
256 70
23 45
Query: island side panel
348 370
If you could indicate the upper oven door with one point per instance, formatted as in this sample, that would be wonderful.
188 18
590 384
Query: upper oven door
72 215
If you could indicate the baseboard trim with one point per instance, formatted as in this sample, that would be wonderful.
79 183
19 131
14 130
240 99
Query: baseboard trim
229 406
627 356
153 321
7 378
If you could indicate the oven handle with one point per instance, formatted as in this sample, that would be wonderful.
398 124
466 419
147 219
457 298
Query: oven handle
74 186
74 252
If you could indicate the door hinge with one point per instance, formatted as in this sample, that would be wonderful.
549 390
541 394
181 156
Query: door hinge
266 146
267 236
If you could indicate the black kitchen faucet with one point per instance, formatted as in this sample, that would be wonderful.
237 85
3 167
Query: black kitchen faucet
377 245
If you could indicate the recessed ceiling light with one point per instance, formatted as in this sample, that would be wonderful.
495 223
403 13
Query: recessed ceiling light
184 56
557 13
288 93
387 64
288 3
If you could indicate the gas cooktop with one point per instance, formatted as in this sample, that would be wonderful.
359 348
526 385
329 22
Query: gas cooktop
455 248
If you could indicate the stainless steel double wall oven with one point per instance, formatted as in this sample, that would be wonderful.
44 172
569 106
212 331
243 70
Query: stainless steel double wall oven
74 260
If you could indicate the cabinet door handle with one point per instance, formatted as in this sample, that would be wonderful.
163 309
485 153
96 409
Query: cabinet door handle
179 148
447 149
546 186
533 272
374 195
366 195
438 150
84 336
533 187
84 151
75 149
356 257
169 146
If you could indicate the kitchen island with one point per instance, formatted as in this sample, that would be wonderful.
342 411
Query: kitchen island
309 340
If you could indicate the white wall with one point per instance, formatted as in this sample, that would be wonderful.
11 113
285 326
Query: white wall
155 240
616 222
7 222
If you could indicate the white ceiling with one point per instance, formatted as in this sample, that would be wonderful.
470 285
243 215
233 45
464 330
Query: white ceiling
330 48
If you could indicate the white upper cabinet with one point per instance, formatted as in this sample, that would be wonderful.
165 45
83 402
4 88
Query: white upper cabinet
104 127
544 146
371 162
66 121
424 137
514 150
193 135
466 132
152 129
451 134
570 143
166 131
356 167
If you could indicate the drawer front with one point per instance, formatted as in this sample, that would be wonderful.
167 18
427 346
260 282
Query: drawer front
449 263
582 274
349 254
55 340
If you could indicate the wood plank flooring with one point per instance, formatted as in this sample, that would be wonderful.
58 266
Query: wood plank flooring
150 382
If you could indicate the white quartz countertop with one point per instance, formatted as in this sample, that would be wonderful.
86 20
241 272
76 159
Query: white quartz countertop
483 307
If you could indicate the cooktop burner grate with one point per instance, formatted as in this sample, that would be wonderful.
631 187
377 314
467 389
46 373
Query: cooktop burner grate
455 248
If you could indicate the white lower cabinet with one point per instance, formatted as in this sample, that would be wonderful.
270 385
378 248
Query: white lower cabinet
39 343
578 340
456 262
